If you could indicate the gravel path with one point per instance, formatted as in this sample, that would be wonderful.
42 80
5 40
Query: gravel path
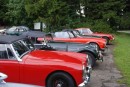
105 74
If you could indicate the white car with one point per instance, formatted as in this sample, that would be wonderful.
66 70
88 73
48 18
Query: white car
2 31
4 84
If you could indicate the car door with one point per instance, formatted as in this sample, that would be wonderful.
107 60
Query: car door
75 47
62 46
9 64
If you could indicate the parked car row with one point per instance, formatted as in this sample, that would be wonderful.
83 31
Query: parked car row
60 59
46 41
68 36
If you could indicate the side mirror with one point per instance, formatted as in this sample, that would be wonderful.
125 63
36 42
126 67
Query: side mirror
2 77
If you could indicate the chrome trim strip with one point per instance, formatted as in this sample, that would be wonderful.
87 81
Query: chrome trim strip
15 53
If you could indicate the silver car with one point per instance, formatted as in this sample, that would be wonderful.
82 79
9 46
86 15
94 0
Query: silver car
8 84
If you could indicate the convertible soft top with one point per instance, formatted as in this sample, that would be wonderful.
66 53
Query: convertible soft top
34 34
8 39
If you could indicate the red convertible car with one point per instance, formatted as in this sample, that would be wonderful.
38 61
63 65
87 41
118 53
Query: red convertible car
69 37
25 64
88 32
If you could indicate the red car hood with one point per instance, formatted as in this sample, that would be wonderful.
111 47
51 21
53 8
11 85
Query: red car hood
57 56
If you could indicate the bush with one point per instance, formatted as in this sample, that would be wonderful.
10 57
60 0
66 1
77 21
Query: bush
96 25
101 26
125 21
84 22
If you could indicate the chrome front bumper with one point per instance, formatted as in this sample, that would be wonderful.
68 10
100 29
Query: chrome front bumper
87 79
84 84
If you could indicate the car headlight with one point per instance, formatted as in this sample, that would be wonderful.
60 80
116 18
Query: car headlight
94 46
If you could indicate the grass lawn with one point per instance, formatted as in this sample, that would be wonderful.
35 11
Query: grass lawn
122 56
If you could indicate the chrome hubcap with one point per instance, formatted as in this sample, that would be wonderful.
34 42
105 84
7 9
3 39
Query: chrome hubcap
59 85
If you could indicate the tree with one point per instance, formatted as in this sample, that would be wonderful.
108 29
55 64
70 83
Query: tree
59 14
125 19
3 10
16 14
51 12
107 10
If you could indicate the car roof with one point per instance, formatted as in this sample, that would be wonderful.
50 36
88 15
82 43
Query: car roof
8 39
34 34
17 27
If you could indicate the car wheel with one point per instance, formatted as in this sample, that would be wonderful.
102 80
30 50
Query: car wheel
107 39
92 58
60 80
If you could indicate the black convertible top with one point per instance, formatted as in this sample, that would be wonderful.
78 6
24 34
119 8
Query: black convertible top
8 39
34 34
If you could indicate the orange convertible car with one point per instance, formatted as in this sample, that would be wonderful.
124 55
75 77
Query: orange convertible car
88 32
69 37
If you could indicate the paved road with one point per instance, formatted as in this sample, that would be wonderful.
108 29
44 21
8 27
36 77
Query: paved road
105 74
124 31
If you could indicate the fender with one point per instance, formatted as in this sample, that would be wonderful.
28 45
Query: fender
83 51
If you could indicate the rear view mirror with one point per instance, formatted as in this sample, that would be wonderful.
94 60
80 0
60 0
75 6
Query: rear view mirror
2 77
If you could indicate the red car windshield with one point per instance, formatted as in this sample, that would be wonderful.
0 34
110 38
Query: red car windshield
86 31
77 34
22 46
63 35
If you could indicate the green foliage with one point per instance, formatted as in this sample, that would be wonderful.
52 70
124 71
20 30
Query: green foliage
16 14
125 21
96 25
3 10
53 13
84 22
59 14
101 26
107 10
